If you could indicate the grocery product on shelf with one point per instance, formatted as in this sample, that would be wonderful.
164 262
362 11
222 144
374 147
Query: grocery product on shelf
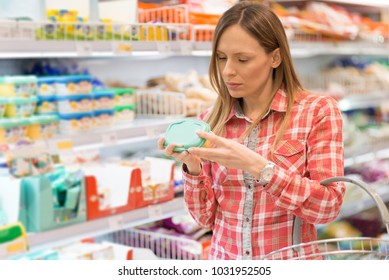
13 239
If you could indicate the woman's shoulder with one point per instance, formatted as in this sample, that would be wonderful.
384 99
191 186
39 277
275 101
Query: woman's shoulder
316 101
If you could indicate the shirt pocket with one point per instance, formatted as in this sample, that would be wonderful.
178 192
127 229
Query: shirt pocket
291 154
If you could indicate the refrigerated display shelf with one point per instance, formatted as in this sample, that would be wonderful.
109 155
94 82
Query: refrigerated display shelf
77 232
358 206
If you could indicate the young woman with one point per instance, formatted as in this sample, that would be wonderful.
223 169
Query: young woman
272 143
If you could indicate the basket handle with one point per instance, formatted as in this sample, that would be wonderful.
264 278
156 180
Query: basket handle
376 197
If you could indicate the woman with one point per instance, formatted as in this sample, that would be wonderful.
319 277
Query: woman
272 143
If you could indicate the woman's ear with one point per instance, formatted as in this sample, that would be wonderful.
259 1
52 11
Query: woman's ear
276 58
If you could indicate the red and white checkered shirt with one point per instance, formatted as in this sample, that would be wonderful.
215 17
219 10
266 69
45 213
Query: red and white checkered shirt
250 220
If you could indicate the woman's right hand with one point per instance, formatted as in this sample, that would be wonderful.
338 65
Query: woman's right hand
193 163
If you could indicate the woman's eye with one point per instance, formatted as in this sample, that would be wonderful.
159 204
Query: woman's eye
221 58
243 60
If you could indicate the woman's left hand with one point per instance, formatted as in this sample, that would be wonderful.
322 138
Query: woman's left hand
227 152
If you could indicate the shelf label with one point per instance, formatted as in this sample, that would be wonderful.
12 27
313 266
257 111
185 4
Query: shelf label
59 145
163 47
84 48
121 48
155 211
110 138
115 222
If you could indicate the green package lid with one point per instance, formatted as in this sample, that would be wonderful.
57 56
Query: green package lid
131 107
121 91
3 101
183 132
13 122
43 119
9 233
22 100
18 79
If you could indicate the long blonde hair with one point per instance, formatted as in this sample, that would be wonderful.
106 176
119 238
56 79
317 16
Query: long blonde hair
259 21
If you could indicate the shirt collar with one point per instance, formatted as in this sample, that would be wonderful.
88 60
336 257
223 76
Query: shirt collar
279 103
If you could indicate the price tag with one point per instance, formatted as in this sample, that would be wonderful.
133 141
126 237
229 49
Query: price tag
54 146
115 222
121 48
163 47
155 211
65 144
84 48
110 138
186 47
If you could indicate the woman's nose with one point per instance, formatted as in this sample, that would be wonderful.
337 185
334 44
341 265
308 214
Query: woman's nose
229 69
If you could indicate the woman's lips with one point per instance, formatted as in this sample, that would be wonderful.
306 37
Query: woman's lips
233 85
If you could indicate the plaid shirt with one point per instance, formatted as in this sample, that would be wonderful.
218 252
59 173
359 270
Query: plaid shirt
250 220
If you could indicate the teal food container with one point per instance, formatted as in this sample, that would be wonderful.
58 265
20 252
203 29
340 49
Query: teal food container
43 127
20 107
12 129
183 132
18 86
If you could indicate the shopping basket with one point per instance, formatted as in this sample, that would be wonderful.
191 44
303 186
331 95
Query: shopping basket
353 248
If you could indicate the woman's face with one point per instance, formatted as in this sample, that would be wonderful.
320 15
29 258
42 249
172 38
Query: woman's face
244 65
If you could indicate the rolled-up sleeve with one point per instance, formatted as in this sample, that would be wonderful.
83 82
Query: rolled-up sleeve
199 196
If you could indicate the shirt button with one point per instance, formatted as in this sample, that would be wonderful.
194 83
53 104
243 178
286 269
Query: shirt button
249 187
201 182
247 220
247 253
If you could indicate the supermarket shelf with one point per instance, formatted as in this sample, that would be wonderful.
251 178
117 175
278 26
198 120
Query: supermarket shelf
371 3
356 102
356 207
148 128
311 49
68 234
365 154
51 48
38 49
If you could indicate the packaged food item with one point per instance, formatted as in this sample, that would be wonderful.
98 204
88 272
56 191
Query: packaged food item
12 130
73 84
103 100
25 86
31 166
18 86
74 103
7 88
103 118
183 133
124 96
124 113
20 107
43 127
46 86
74 123
47 104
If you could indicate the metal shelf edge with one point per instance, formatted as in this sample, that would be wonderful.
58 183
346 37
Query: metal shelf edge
76 232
